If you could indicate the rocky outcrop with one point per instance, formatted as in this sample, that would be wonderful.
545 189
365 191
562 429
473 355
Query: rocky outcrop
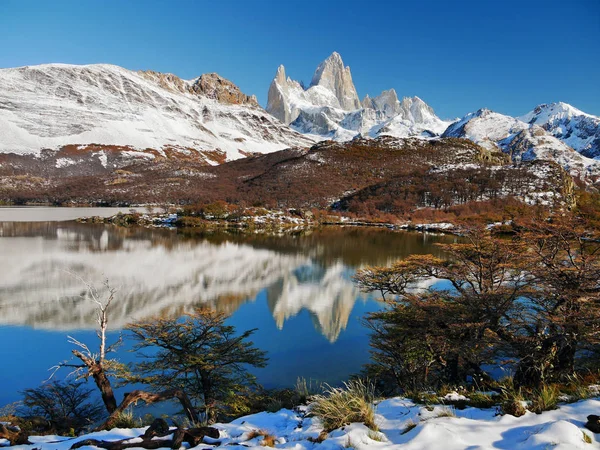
209 85
214 86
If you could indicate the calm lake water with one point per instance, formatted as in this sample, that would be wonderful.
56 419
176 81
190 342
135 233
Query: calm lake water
296 290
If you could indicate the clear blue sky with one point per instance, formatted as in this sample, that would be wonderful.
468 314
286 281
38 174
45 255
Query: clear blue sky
457 55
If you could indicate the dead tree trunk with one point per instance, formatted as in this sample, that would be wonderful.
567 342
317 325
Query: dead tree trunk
95 369
193 436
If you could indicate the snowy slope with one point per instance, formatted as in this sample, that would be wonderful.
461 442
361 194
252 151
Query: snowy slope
472 428
53 105
575 128
329 107
521 140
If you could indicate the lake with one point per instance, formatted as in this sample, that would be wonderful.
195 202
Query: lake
296 290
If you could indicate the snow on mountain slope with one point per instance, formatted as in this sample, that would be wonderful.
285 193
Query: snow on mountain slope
329 108
577 129
54 105
414 118
520 140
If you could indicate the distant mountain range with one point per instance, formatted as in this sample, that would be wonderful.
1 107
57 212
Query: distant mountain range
113 115
330 109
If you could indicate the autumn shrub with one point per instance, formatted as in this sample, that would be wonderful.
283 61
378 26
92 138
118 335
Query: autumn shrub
201 355
500 292
268 440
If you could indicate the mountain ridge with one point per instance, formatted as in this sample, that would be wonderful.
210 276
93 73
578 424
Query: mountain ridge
54 105
115 115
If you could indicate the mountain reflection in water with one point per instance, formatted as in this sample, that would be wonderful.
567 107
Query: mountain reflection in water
162 272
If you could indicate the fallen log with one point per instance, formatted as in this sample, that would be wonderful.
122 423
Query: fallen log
14 435
122 444
192 436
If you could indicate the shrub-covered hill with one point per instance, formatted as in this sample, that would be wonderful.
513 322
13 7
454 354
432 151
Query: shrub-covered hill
394 174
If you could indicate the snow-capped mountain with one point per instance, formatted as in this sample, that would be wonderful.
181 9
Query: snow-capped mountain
330 108
575 128
523 141
54 105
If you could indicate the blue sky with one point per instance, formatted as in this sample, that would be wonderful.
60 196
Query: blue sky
457 55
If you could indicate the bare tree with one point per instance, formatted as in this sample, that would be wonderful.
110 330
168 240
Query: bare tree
96 364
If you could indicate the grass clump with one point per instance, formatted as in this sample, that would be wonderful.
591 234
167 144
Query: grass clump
578 387
376 436
512 400
305 390
544 399
482 400
586 438
445 411
337 407
125 419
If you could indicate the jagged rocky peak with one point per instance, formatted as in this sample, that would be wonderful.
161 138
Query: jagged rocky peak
214 86
279 102
280 75
416 108
331 87
330 107
333 75
387 102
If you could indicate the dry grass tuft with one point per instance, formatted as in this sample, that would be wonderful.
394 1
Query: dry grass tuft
342 406
410 425
268 439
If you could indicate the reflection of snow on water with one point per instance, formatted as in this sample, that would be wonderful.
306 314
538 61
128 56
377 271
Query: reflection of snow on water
38 286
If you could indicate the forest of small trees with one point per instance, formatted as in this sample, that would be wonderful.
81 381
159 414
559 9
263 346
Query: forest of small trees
529 302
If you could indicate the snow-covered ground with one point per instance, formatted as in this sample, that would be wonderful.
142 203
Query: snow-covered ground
472 429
